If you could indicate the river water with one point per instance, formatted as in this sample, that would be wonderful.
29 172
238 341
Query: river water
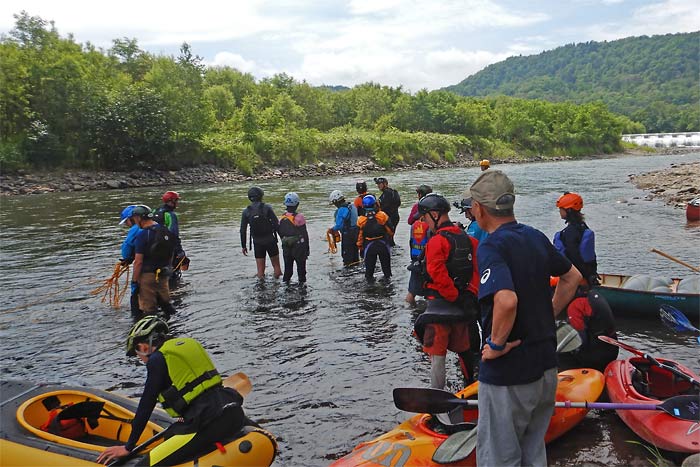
324 360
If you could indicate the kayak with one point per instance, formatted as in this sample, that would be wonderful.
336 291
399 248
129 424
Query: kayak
414 442
28 410
636 380
692 210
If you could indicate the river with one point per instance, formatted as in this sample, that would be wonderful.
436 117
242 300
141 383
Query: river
324 360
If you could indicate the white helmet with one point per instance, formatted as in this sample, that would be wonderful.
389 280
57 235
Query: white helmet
336 195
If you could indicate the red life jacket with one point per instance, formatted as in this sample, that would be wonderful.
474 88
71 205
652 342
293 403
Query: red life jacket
72 428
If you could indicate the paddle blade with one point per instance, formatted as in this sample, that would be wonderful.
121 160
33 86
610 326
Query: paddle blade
456 448
426 400
673 318
240 382
684 407
568 339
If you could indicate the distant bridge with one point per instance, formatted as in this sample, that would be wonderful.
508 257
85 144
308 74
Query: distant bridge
660 140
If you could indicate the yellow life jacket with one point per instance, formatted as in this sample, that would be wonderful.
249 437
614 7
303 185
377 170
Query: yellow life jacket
191 371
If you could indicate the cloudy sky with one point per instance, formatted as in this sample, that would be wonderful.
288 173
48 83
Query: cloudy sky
413 43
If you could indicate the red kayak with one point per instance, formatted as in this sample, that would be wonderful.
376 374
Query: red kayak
636 380
692 210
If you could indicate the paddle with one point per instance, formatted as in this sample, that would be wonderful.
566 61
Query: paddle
675 320
430 400
666 255
648 357
568 338
238 381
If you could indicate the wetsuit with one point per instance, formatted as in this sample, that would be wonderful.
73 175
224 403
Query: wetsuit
373 238
390 201
263 229
204 415
295 244
346 224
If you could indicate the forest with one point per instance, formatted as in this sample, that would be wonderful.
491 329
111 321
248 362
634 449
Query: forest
65 104
651 80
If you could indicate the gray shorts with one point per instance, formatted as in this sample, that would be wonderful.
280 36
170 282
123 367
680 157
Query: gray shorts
513 421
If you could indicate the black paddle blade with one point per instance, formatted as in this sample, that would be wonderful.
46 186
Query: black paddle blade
426 400
684 407
456 448
86 409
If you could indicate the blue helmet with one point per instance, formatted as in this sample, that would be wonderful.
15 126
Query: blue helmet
127 213
369 201
291 199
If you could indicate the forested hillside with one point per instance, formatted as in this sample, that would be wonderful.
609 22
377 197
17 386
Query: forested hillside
70 105
653 80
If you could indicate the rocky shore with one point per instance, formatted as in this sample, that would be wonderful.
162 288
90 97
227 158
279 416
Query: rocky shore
676 185
26 182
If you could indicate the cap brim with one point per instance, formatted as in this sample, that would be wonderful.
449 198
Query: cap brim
123 221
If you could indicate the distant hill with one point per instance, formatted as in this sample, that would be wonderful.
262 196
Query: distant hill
653 80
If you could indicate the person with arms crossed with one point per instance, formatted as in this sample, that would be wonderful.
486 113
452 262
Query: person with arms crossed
518 371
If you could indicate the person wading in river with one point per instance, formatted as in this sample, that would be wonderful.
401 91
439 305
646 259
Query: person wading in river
182 377
263 232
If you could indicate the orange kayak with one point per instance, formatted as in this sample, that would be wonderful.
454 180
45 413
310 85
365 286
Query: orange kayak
413 442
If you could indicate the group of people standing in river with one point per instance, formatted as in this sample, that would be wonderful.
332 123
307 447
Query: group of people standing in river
491 278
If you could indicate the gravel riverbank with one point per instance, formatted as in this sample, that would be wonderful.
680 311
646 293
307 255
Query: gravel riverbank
27 182
676 185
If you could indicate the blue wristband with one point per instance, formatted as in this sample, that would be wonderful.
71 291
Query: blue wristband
494 346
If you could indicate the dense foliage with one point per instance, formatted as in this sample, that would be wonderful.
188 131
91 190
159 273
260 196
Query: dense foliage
652 80
64 104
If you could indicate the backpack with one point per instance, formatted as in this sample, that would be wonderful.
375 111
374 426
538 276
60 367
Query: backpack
288 231
162 244
260 225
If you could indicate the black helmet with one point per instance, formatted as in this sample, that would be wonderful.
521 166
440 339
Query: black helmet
255 193
142 211
361 186
463 205
433 202
423 190
379 180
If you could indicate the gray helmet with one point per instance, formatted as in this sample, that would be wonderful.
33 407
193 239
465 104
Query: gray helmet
291 199
433 202
142 211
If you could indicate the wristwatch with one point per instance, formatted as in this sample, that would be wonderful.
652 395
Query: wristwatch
495 346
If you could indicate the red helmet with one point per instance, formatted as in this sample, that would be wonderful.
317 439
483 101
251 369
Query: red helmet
570 201
170 196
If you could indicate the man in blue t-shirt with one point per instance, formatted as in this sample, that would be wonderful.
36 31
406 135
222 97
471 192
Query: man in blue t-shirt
518 372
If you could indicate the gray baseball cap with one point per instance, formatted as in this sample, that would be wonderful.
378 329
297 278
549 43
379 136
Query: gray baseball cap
493 189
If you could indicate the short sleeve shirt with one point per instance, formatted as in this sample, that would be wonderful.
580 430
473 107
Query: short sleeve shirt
520 258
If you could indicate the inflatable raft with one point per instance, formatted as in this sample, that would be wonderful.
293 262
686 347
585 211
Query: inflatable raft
36 430
414 442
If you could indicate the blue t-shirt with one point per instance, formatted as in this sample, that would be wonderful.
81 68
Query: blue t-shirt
520 258
128 246
477 232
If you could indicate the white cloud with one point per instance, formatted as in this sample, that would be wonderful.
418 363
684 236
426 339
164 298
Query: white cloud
235 61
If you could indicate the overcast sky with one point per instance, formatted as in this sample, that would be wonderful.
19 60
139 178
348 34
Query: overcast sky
417 44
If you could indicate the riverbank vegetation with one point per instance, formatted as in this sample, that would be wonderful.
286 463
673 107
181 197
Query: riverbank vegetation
70 105
653 80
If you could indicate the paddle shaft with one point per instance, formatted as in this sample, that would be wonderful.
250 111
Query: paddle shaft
648 357
666 255
579 405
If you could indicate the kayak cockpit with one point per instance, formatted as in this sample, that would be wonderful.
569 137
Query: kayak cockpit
79 419
654 382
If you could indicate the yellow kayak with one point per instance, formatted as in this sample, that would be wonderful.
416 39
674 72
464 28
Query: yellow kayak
33 432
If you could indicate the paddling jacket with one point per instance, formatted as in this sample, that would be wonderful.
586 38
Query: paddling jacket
449 264
390 201
165 215
345 218
577 243
418 238
263 224
191 372
128 246
373 226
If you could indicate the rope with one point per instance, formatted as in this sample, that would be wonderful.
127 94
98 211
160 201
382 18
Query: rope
332 245
110 288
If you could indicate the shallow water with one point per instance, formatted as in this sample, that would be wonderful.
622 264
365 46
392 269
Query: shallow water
323 360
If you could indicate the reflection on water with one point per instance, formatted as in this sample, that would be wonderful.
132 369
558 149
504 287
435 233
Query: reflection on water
323 359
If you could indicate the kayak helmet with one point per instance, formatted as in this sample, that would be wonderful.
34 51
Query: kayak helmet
255 193
149 328
570 201
361 186
369 202
463 205
169 196
142 210
335 197
379 180
485 163
423 190
127 212
433 202
291 199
